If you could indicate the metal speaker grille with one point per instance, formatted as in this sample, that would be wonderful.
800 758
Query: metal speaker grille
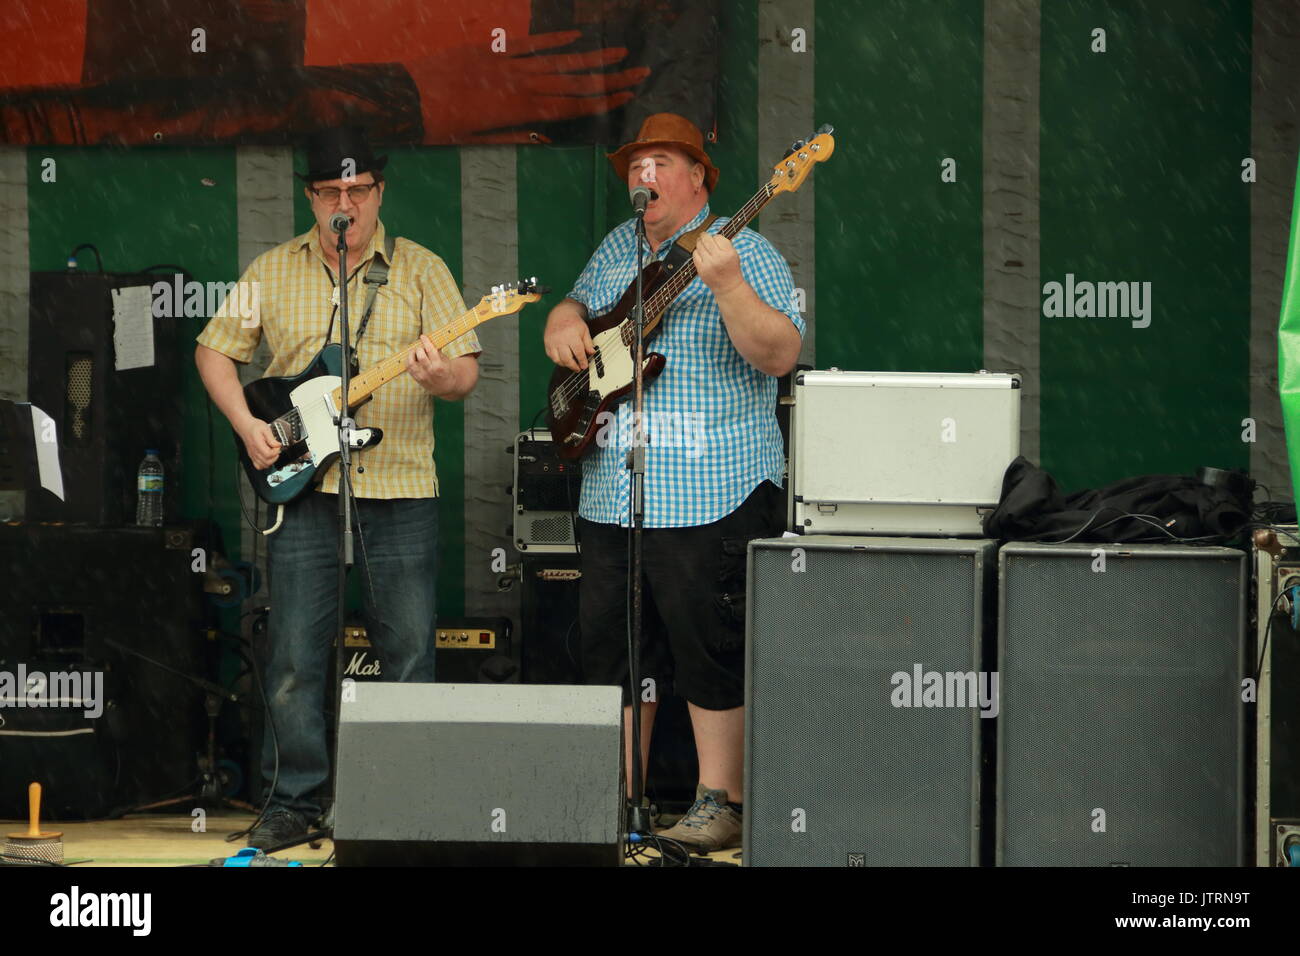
878 785
80 379
1121 693
552 530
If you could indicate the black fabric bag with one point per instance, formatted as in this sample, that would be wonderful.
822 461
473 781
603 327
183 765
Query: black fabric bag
1032 508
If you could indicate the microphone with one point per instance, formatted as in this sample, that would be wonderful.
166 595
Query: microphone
641 197
340 221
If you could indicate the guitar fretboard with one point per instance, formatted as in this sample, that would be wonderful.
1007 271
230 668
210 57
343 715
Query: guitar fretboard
360 386
658 303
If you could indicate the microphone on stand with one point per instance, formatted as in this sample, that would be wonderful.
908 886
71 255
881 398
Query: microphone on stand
641 197
340 221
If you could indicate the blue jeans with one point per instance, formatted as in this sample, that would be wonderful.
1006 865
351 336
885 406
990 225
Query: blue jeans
401 543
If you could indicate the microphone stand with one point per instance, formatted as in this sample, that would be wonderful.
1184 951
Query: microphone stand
638 820
345 555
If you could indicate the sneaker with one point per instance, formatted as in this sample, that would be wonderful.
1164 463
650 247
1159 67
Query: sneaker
280 825
709 824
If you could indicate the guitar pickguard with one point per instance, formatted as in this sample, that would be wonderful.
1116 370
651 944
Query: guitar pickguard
611 367
319 416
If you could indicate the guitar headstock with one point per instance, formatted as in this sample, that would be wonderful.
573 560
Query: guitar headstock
794 167
505 299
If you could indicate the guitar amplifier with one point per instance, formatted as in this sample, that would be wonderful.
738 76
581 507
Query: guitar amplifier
545 495
469 650
914 453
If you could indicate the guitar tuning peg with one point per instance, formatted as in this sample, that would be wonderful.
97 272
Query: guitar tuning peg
798 145
825 130
788 153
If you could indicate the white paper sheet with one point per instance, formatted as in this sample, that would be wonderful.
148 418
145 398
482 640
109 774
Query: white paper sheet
47 452
132 327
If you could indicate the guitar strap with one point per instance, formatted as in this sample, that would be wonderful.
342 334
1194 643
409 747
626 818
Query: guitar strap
680 253
376 276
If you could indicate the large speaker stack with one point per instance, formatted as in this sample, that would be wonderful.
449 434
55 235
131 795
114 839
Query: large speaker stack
103 621
917 696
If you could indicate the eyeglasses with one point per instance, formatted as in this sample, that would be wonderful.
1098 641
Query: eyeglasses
358 194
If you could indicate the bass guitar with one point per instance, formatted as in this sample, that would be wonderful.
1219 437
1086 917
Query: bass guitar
578 399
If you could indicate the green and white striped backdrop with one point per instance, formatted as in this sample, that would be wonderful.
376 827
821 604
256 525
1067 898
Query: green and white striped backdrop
1122 165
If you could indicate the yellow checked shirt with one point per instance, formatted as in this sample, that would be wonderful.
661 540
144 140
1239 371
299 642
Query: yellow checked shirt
295 298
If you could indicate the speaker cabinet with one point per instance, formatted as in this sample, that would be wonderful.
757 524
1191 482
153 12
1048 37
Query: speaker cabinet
124 604
1121 740
105 417
549 630
851 759
480 774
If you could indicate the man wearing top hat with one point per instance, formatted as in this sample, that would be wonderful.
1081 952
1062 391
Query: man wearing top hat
395 483
713 464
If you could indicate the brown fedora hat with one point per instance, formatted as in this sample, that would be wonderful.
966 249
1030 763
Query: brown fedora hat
667 129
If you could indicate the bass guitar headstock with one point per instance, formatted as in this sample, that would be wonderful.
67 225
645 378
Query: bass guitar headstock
799 160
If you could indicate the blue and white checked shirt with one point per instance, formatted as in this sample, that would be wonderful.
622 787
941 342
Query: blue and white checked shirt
711 421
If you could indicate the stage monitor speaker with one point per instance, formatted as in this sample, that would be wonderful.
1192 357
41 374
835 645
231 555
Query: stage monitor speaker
1121 740
78 601
480 774
851 760
106 417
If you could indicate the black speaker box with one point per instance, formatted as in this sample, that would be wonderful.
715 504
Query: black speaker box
80 600
549 619
106 418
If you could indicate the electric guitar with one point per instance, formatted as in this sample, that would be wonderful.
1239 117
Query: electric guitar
577 399
303 410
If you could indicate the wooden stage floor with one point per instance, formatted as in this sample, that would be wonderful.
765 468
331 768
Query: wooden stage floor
156 839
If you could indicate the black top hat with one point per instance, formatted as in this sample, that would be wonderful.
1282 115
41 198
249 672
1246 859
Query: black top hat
328 149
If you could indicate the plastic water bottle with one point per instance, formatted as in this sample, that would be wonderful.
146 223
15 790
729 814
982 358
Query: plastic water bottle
149 491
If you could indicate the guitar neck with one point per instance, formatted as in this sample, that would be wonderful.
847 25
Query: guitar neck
658 303
362 385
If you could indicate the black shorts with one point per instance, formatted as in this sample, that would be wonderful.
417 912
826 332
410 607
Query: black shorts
693 602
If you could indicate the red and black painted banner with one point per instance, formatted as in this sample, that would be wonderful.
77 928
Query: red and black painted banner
411 71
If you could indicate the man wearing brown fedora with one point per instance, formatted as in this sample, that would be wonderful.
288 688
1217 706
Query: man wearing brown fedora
713 465
299 289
